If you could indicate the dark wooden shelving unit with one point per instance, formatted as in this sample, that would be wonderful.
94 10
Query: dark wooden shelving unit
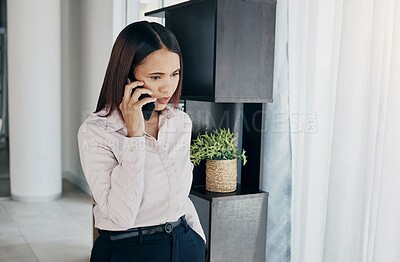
228 60
235 223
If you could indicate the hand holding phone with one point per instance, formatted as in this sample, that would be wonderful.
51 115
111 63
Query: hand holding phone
147 108
133 107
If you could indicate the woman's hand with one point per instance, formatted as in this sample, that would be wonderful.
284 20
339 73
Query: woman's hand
131 107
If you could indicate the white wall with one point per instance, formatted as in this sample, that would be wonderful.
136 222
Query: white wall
86 42
88 31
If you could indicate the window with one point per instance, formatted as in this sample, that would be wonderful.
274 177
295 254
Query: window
137 8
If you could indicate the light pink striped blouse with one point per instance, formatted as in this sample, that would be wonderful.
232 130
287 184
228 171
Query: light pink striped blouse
138 181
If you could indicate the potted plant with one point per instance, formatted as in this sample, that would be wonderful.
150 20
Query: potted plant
221 153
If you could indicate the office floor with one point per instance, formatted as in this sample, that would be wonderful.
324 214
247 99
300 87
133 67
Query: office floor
53 231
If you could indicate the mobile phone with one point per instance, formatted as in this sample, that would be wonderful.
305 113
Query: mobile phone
148 108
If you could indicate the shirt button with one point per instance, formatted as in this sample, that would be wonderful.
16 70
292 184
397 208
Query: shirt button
131 179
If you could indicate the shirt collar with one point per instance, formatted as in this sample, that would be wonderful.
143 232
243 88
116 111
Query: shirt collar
168 112
114 122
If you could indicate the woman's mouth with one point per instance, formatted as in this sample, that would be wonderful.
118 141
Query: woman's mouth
163 100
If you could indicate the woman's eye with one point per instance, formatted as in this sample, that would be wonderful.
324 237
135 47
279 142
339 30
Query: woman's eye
175 74
155 77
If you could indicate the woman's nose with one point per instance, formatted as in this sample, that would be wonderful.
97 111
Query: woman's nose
165 87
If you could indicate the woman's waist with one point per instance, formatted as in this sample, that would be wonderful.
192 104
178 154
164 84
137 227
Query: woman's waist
146 230
143 219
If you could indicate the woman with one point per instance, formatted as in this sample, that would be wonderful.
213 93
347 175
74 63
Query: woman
139 171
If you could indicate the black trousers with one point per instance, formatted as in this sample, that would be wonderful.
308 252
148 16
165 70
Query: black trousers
183 244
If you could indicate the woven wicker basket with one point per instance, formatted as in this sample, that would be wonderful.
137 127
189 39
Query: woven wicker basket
221 175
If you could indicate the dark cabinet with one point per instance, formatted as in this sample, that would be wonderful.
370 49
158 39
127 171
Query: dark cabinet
227 48
228 58
235 223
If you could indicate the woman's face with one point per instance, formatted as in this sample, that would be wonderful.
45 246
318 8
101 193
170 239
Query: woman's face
160 73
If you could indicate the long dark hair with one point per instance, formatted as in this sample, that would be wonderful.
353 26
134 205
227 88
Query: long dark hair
133 44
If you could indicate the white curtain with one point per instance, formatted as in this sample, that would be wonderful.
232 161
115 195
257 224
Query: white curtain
344 100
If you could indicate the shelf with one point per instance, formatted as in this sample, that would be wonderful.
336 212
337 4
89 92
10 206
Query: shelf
227 48
161 12
231 219
201 192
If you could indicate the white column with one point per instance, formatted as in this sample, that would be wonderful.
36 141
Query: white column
34 80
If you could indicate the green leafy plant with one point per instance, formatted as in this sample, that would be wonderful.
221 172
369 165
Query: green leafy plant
217 145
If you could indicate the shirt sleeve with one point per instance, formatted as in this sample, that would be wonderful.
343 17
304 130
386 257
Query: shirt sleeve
191 215
193 219
117 188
